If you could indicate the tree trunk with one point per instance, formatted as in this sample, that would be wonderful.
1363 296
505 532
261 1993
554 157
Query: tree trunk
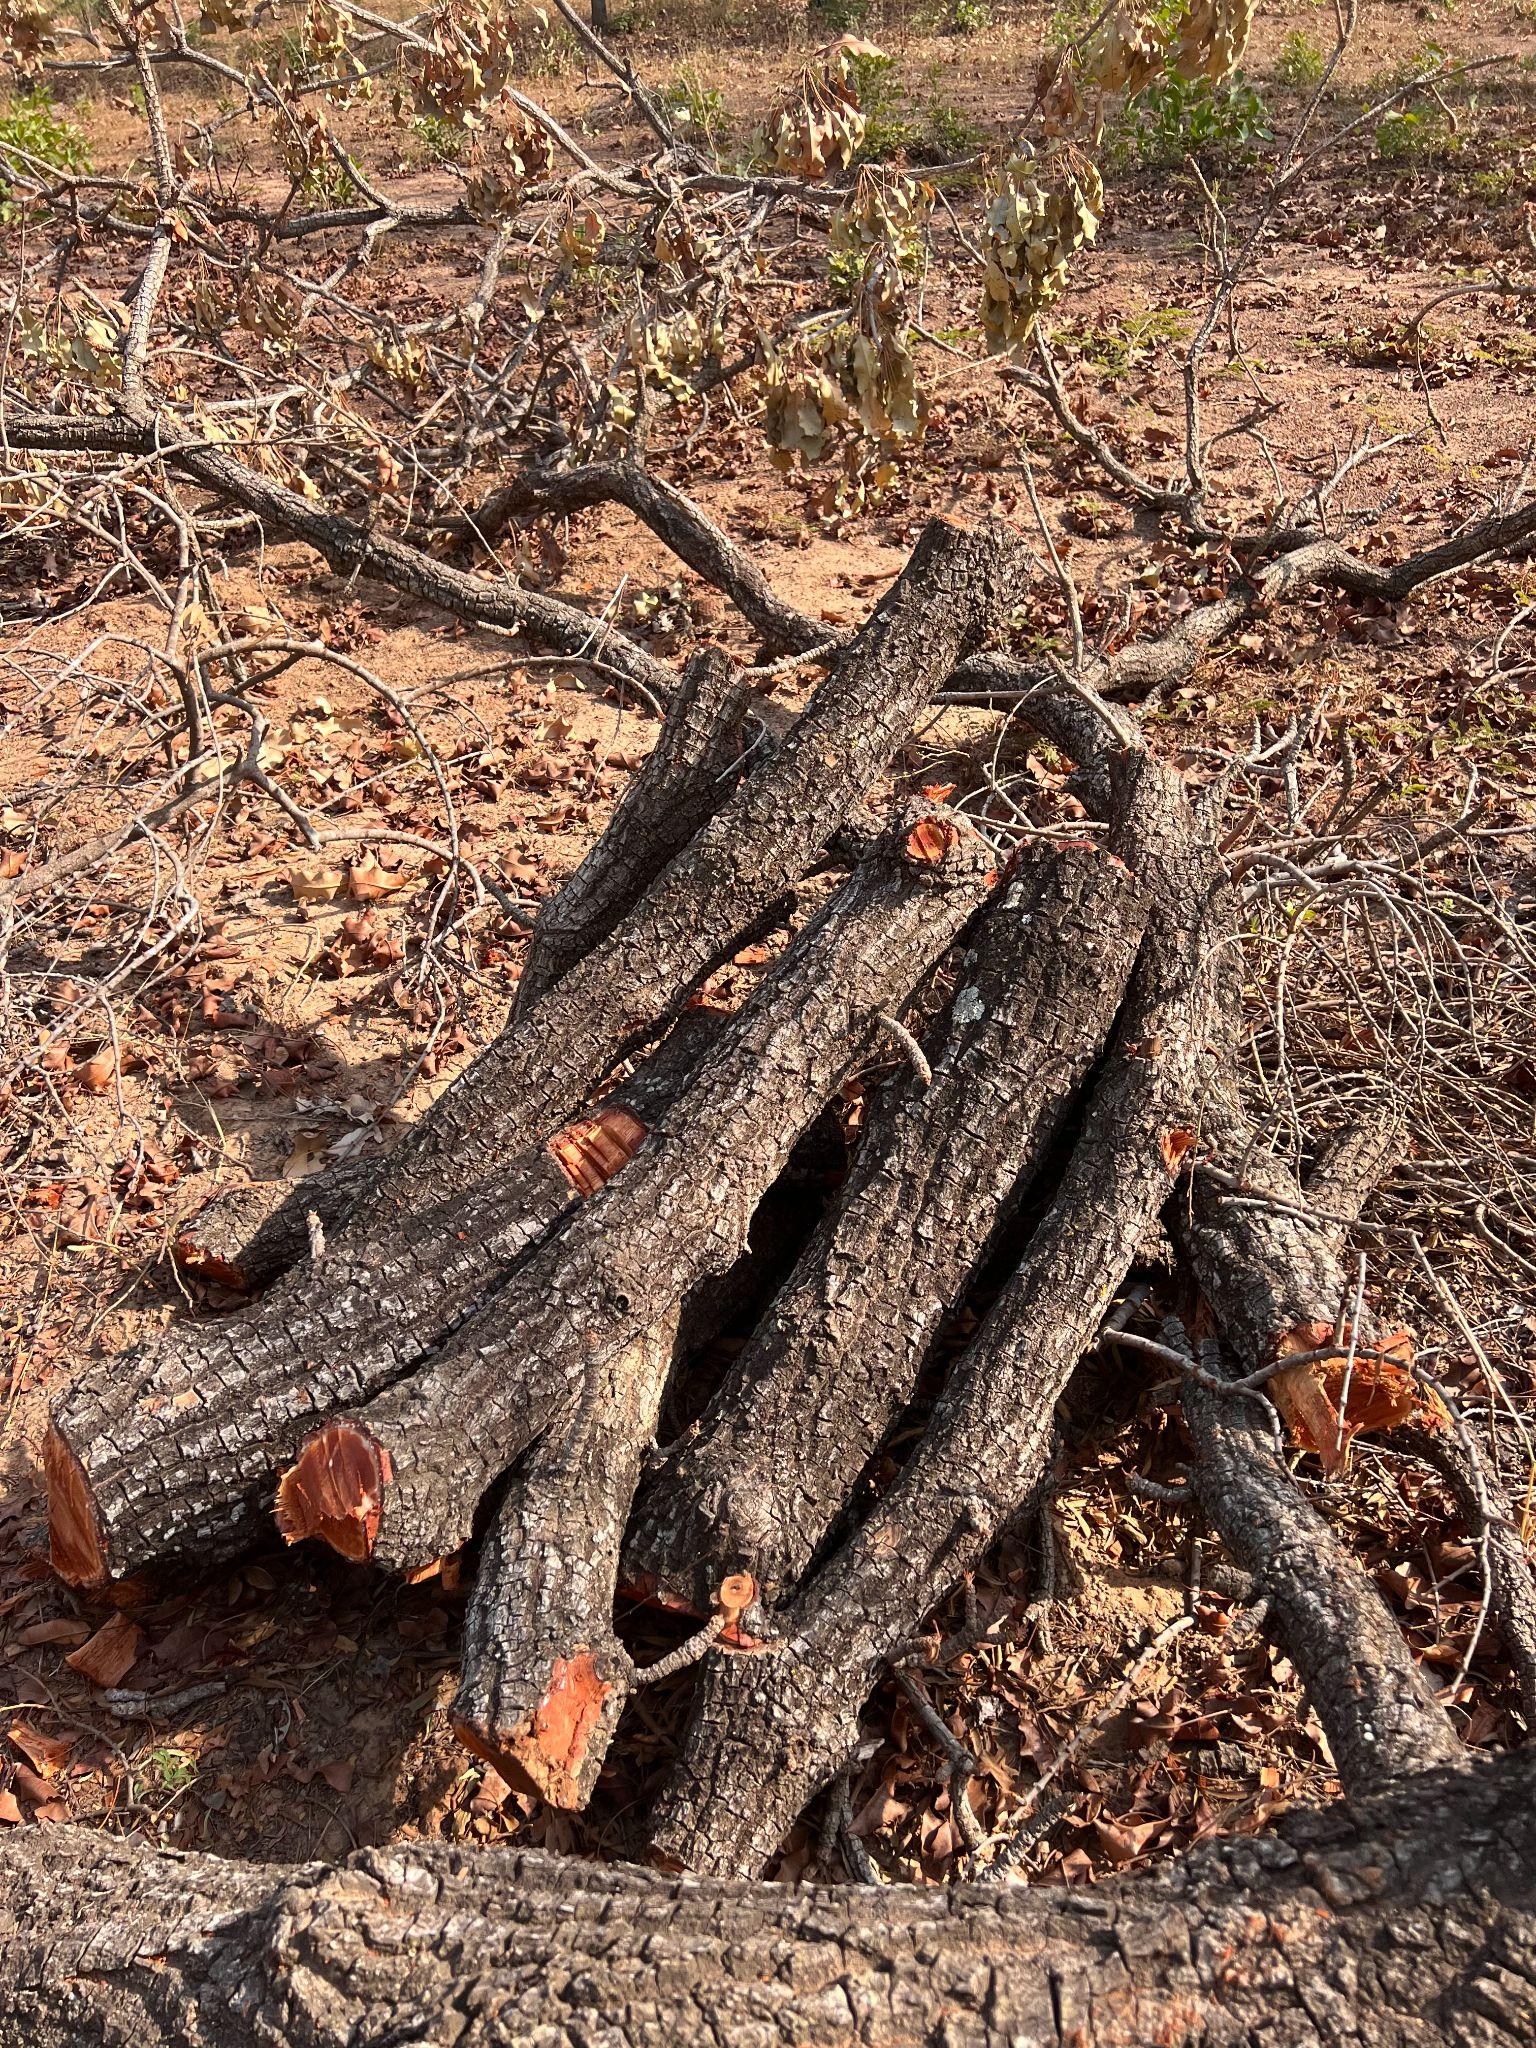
1376 1709
418 1459
756 1484
545 1676
1404 1921
683 781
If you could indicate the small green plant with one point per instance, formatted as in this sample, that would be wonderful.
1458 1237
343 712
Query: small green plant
1116 351
951 132
442 142
969 17
889 129
1414 135
173 1768
1301 61
1176 117
696 108
41 138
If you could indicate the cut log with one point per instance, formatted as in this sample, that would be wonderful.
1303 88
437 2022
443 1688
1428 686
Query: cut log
1380 1717
768 1731
201 1413
756 1484
684 780
245 1237
129 1487
545 1676
1402 1921
1270 1264
421 1456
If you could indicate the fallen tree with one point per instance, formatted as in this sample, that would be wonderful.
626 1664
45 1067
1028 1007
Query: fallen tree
1406 1918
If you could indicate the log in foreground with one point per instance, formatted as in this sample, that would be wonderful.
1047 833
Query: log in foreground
118 1496
755 1485
173 1446
419 1458
1404 1921
769 1730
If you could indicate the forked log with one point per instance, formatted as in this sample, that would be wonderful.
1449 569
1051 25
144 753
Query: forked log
420 1457
1268 1254
1380 1717
1270 1263
203 1410
1406 1920
757 1482
768 1730
130 1485
681 784
544 1674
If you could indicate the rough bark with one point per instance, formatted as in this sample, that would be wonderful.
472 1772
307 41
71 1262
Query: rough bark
1488 1516
682 783
246 1236
768 1730
544 1675
421 1456
190 1411
1269 1261
1404 1921
758 1481
129 1484
1377 1711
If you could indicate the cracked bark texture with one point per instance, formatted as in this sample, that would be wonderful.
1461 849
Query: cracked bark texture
682 783
544 1676
681 1208
1380 1717
1403 1921
187 1410
129 1484
767 1731
757 1482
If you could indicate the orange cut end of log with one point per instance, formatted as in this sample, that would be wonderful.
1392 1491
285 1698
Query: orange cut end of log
591 1152
1326 1403
546 1753
197 1264
76 1548
335 1491
931 841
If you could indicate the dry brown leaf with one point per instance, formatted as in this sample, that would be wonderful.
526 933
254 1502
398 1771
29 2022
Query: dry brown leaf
59 1630
368 880
11 1815
45 1753
315 885
98 1073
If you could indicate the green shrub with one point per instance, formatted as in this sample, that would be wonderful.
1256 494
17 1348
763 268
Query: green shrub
35 129
1301 63
969 17
1176 117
